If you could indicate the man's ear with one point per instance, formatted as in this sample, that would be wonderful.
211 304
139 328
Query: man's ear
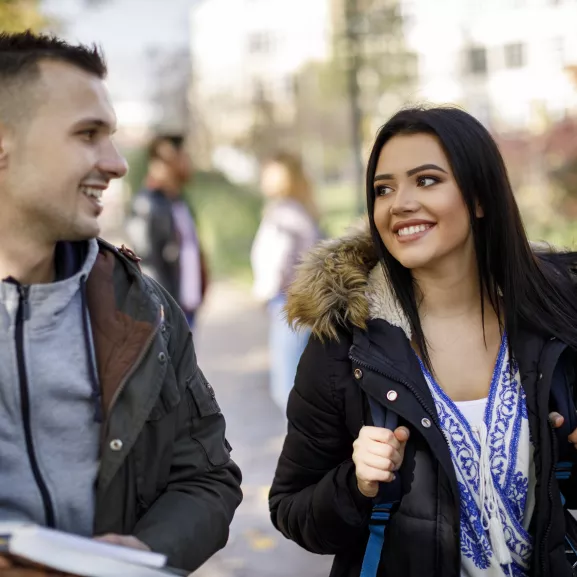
6 140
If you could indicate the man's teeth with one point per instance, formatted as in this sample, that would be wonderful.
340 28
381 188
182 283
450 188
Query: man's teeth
407 231
91 192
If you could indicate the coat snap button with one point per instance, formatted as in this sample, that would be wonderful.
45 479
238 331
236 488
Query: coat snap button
358 374
116 445
426 423
392 395
161 358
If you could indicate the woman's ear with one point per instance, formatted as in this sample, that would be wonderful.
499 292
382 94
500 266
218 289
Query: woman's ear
479 212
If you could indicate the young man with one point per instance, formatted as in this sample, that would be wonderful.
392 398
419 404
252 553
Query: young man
107 425
162 228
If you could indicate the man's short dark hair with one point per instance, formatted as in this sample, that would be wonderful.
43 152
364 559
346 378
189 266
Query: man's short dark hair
176 140
20 56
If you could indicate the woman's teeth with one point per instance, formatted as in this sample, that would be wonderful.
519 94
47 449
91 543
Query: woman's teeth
407 231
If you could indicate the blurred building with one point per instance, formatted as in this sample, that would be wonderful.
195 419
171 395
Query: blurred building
269 74
506 61
146 44
245 54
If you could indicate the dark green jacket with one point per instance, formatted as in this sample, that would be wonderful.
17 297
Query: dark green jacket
165 475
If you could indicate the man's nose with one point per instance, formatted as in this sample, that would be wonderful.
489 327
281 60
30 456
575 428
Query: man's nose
113 163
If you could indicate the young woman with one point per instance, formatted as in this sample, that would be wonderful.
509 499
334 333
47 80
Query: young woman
444 314
288 229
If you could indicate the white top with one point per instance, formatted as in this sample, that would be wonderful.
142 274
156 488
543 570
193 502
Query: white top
473 411
492 454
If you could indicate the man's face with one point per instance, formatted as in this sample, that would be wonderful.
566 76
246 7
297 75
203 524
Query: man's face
58 163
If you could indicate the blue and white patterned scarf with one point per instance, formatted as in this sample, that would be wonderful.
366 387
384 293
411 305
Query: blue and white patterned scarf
495 473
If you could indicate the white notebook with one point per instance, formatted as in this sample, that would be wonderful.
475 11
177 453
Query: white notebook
78 555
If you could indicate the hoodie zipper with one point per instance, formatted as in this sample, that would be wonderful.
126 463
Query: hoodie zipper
22 316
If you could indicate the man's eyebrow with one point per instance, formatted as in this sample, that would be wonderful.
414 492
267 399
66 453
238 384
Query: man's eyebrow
97 122
411 172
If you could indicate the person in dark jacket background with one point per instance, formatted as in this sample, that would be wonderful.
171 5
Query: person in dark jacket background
443 314
108 427
162 227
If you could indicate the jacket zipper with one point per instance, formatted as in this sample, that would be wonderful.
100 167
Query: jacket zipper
23 315
550 493
132 370
550 481
413 390
421 401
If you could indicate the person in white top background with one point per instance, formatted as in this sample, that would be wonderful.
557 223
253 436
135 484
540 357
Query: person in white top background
289 227
442 313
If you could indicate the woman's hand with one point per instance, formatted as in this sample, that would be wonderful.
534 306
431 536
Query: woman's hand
557 421
377 453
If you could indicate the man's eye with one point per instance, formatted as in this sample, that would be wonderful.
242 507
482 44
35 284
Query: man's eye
89 134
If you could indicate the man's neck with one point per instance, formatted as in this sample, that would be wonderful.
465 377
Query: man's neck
26 260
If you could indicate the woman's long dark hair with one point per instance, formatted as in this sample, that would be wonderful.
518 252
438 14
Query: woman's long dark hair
524 288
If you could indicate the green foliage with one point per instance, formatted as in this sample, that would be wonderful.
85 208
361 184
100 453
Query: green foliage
228 217
138 163
20 15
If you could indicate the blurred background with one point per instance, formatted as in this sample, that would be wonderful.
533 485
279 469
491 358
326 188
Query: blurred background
246 78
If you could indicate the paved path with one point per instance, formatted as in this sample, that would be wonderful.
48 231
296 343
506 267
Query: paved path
232 352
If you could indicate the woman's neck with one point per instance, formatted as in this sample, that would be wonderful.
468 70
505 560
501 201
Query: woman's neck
451 290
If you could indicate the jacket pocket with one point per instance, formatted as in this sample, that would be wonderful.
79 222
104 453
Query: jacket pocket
202 395
207 427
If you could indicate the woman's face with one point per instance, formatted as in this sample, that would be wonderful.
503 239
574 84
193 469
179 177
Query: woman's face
419 210
275 180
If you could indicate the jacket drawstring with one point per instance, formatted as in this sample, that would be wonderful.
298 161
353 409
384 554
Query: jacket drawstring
92 371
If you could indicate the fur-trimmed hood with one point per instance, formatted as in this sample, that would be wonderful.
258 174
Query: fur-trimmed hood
340 282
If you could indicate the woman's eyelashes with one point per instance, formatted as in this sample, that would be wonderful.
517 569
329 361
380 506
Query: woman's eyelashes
422 181
382 190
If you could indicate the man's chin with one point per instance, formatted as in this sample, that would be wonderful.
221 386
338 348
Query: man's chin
82 232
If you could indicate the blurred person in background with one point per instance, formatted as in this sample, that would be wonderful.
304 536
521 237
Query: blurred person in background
162 227
442 314
288 229
108 427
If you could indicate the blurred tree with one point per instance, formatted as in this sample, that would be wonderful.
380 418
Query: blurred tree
371 54
19 15
171 73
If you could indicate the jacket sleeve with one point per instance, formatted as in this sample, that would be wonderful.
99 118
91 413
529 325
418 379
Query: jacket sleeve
190 521
314 499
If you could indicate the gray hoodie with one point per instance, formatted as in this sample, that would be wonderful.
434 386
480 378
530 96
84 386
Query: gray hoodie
49 433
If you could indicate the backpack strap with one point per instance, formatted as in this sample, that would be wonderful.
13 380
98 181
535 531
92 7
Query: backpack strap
388 496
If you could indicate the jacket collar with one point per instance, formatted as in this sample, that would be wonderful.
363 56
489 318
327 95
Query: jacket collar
341 282
124 316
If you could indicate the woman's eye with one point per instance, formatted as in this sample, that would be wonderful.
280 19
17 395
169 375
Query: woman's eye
382 190
425 181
